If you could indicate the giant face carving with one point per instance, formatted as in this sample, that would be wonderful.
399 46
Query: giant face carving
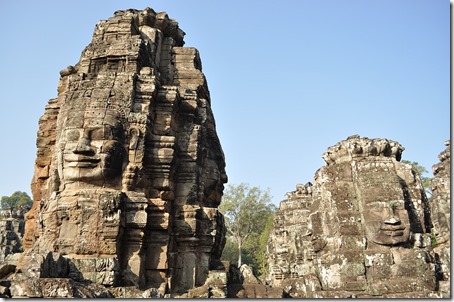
91 146
386 222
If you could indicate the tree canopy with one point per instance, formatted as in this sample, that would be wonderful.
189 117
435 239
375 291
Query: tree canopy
16 201
248 212
421 171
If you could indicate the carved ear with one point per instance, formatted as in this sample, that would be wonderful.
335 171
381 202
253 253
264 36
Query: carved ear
55 182
131 166
134 135
58 173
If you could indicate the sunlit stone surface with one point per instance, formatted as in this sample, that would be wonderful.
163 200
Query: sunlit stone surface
129 170
362 229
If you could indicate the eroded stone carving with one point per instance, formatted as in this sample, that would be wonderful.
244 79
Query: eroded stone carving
129 170
11 232
362 231
440 205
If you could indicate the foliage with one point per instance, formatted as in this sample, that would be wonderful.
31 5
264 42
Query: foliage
433 240
16 201
248 212
424 179
253 253
230 253
263 243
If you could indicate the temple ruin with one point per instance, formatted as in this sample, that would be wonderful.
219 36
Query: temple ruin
363 228
440 205
129 170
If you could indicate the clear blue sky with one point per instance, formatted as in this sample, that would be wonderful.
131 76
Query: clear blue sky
288 78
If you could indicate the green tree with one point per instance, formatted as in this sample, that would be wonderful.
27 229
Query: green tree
247 211
421 171
16 201
263 243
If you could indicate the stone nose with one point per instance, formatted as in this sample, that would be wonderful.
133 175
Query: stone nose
84 147
393 220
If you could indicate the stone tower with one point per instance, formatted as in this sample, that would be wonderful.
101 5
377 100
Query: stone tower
361 230
440 206
129 170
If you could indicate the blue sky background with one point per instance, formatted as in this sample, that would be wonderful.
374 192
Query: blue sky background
288 78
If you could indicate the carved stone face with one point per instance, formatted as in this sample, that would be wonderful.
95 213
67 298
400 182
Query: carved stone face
214 180
386 222
91 146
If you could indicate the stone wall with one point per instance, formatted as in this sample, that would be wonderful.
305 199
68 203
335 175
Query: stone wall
129 170
362 229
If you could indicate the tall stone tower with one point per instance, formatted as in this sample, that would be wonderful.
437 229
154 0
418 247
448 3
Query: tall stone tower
440 206
129 170
361 230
